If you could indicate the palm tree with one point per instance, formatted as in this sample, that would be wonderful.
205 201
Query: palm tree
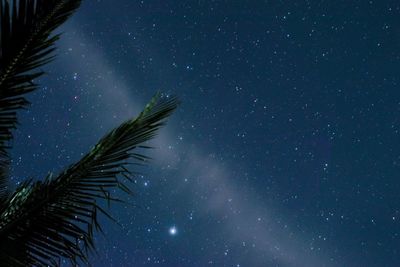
43 221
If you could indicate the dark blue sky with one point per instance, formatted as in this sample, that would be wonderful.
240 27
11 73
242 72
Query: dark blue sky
284 152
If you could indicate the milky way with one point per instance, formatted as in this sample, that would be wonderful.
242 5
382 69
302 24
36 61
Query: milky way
284 151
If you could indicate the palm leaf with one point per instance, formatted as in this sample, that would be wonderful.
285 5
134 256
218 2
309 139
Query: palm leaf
25 44
57 218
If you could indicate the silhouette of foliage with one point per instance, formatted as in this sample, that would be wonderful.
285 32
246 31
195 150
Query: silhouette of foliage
43 221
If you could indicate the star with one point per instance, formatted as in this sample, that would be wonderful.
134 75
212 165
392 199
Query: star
173 230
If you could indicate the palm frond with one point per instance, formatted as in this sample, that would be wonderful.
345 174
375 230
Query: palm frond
57 218
25 44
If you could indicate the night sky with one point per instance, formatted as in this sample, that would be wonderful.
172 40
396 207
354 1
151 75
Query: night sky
285 150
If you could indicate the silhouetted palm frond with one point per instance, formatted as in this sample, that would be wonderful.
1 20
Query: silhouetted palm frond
57 217
44 221
25 44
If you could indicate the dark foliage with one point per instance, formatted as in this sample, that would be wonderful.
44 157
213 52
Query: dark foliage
43 221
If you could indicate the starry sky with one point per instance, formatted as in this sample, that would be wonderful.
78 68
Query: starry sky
284 152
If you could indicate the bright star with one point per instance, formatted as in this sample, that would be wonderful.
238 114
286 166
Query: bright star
173 230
